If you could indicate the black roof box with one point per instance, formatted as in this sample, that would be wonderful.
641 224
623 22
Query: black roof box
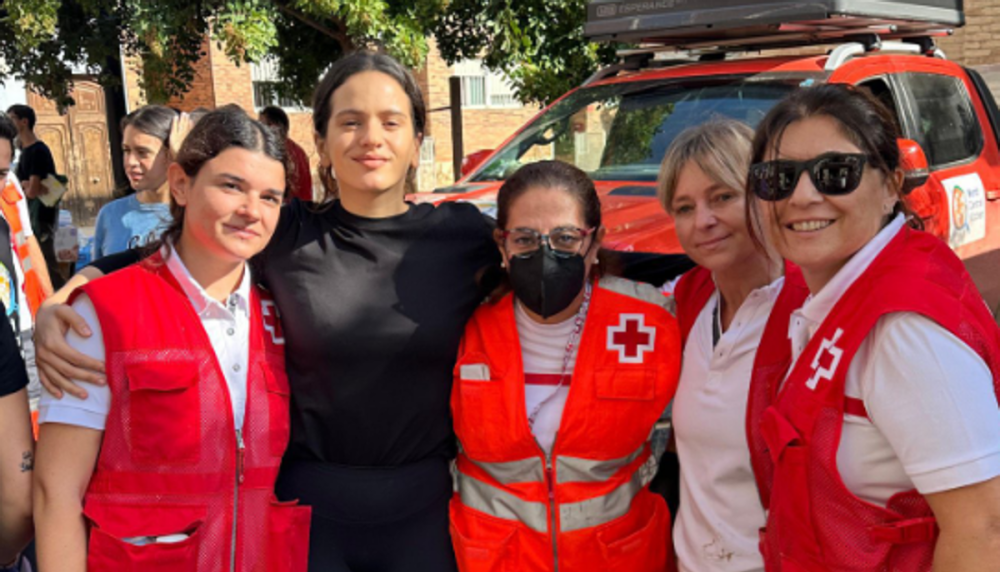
675 22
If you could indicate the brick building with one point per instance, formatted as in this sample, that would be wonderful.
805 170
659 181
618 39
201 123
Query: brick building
490 113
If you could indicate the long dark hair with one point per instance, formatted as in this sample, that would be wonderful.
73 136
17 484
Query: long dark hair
342 70
217 131
862 118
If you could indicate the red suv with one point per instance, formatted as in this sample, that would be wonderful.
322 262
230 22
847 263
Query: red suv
618 125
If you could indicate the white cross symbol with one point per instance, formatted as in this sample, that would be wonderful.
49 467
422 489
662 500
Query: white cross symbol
828 346
267 310
631 338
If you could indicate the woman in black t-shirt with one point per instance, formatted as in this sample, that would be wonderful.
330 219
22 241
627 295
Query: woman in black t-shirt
374 293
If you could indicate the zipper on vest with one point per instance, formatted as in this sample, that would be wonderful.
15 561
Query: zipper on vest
240 450
550 478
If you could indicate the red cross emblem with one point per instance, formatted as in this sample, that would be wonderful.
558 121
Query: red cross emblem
827 347
272 321
631 338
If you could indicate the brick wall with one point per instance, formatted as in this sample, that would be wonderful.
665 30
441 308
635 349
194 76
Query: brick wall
482 128
202 92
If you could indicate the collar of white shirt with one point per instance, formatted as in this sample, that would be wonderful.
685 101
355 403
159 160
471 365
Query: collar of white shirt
818 306
200 299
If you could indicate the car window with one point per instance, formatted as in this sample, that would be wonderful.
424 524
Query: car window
946 123
620 132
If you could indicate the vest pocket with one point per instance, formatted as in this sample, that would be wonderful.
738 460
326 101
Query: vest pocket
482 543
643 549
143 538
626 384
278 396
164 412
288 541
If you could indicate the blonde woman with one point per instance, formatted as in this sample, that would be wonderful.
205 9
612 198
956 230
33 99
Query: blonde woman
723 307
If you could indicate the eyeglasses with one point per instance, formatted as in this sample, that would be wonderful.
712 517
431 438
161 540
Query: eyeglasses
831 174
563 241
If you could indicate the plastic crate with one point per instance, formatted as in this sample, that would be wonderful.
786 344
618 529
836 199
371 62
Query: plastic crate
682 21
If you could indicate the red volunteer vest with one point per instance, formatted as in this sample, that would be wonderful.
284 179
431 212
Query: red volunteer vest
32 283
814 522
586 506
171 460
693 292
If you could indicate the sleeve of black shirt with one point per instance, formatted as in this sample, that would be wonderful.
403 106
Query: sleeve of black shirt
117 261
13 375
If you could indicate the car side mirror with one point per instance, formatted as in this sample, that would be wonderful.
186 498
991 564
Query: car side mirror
473 160
914 164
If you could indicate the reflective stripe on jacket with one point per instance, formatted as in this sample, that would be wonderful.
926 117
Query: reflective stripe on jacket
32 283
586 506
814 523
176 487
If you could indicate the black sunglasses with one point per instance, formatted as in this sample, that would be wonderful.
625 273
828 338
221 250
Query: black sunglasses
831 174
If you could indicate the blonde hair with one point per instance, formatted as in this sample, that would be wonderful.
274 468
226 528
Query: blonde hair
720 147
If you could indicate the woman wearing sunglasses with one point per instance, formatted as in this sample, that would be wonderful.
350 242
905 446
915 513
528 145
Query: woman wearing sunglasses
885 433
557 387
723 306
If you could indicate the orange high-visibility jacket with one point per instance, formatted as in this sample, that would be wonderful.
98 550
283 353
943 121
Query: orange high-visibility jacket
171 460
32 283
586 506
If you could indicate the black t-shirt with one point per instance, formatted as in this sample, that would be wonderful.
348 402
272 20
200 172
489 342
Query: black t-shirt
36 160
13 375
373 311
9 288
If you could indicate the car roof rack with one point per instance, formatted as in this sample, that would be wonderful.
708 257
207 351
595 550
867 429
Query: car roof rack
764 24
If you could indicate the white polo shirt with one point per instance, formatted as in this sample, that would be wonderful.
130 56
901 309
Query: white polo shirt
934 422
720 511
228 329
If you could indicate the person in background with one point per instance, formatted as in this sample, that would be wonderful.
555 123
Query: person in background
557 388
723 307
140 218
883 436
34 165
171 466
301 175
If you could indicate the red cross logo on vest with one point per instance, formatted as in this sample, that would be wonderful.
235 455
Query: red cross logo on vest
829 346
631 338
272 322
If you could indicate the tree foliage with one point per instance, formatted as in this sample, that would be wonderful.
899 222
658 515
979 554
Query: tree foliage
537 43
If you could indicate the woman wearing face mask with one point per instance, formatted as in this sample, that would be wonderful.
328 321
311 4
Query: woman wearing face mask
171 466
373 293
885 433
556 391
139 218
723 308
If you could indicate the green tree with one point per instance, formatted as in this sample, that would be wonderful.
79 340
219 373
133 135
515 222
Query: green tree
537 43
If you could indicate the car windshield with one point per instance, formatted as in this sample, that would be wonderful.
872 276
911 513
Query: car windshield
620 132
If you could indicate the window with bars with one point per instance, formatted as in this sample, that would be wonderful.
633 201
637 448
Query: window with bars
264 76
484 88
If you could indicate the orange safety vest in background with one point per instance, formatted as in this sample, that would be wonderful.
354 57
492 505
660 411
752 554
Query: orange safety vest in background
171 460
587 505
32 283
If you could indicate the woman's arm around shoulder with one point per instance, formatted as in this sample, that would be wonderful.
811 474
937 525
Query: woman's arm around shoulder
16 449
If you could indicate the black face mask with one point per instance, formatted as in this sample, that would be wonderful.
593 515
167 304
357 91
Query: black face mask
546 283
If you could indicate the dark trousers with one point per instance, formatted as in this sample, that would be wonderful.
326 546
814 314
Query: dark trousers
374 520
